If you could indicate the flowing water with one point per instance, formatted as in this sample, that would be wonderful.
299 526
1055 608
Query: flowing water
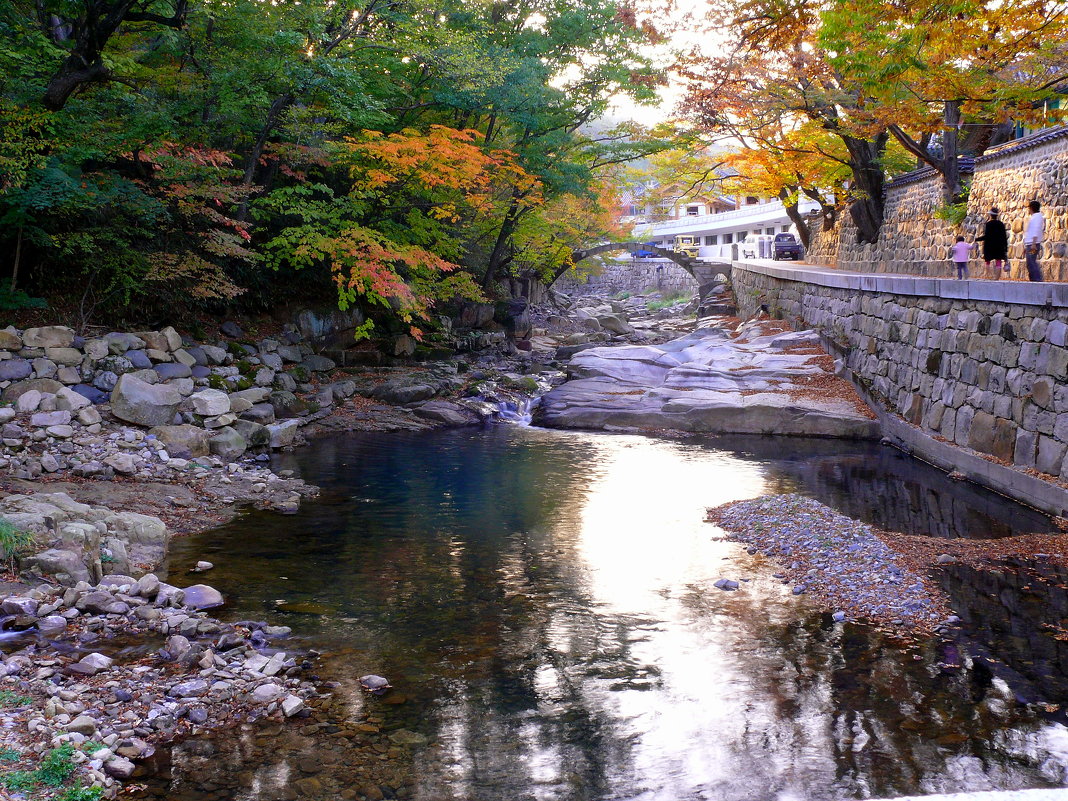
542 603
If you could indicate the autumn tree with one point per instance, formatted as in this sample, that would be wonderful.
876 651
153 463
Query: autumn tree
930 70
774 73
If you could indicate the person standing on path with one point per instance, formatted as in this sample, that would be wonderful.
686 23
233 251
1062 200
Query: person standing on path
1033 238
995 241
959 253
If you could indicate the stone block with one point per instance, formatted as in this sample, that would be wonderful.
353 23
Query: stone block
1050 455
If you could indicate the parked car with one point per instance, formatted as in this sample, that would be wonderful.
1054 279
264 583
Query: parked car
644 253
786 246
757 246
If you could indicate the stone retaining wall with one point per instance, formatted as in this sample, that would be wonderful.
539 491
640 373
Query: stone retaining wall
912 240
631 275
978 364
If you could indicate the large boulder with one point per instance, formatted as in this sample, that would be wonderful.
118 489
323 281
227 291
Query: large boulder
201 596
283 433
210 402
50 336
70 400
256 435
15 369
64 566
46 386
286 405
10 340
318 364
228 444
144 404
183 442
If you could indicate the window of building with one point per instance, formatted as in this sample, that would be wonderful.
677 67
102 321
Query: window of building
712 239
751 201
769 230
728 238
693 211
786 229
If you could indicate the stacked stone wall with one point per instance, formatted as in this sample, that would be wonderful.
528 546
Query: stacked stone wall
985 375
631 275
912 240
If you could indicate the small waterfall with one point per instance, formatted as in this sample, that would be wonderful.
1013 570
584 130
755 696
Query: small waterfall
519 411
512 398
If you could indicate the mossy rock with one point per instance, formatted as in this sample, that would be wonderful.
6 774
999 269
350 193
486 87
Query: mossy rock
299 373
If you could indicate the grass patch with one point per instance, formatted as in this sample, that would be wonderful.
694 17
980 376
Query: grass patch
669 299
14 542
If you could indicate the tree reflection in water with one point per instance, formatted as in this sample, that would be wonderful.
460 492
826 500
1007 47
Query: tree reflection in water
543 602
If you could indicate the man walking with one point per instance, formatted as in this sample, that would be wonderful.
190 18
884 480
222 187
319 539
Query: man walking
1033 238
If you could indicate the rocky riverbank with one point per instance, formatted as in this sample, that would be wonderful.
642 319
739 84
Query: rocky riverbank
842 563
112 444
95 678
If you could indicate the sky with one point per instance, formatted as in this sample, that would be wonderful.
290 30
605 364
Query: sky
685 34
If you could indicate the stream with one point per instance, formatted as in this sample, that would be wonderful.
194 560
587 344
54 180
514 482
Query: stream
542 603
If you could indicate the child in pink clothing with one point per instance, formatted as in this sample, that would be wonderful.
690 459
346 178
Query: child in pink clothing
959 253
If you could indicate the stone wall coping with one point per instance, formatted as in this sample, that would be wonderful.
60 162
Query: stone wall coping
1025 143
1023 293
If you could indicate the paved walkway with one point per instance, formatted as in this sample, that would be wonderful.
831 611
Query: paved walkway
1045 293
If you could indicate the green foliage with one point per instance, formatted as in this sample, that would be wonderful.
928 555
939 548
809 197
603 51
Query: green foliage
14 542
92 746
216 381
19 780
10 698
81 793
15 300
952 212
55 769
10 754
667 300
57 766
393 155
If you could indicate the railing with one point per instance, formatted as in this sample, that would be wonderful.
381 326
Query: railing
756 213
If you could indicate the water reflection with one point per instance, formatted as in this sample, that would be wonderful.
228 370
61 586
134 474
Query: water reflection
542 602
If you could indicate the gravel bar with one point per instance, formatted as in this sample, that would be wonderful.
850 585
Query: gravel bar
842 563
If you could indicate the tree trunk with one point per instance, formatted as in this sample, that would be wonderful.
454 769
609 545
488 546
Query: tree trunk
500 247
952 189
796 217
18 258
869 180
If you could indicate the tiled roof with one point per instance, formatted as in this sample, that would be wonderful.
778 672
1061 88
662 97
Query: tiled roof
1026 143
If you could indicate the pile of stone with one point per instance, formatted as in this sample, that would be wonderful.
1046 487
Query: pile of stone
839 561
208 674
75 541
194 398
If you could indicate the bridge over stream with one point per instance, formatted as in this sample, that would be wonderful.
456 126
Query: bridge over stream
704 271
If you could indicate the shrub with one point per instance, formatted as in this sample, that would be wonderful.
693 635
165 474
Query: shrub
13 541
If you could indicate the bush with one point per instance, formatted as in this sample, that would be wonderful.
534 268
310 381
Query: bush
14 542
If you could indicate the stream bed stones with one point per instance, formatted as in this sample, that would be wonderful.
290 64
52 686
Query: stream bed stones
120 668
840 562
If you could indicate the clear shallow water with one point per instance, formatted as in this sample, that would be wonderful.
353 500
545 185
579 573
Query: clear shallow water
542 601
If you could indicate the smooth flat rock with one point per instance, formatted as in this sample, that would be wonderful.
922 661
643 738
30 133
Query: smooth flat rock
707 382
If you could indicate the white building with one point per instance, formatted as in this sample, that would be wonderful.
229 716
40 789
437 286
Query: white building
718 231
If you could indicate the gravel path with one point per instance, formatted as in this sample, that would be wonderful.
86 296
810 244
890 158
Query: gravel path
840 562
